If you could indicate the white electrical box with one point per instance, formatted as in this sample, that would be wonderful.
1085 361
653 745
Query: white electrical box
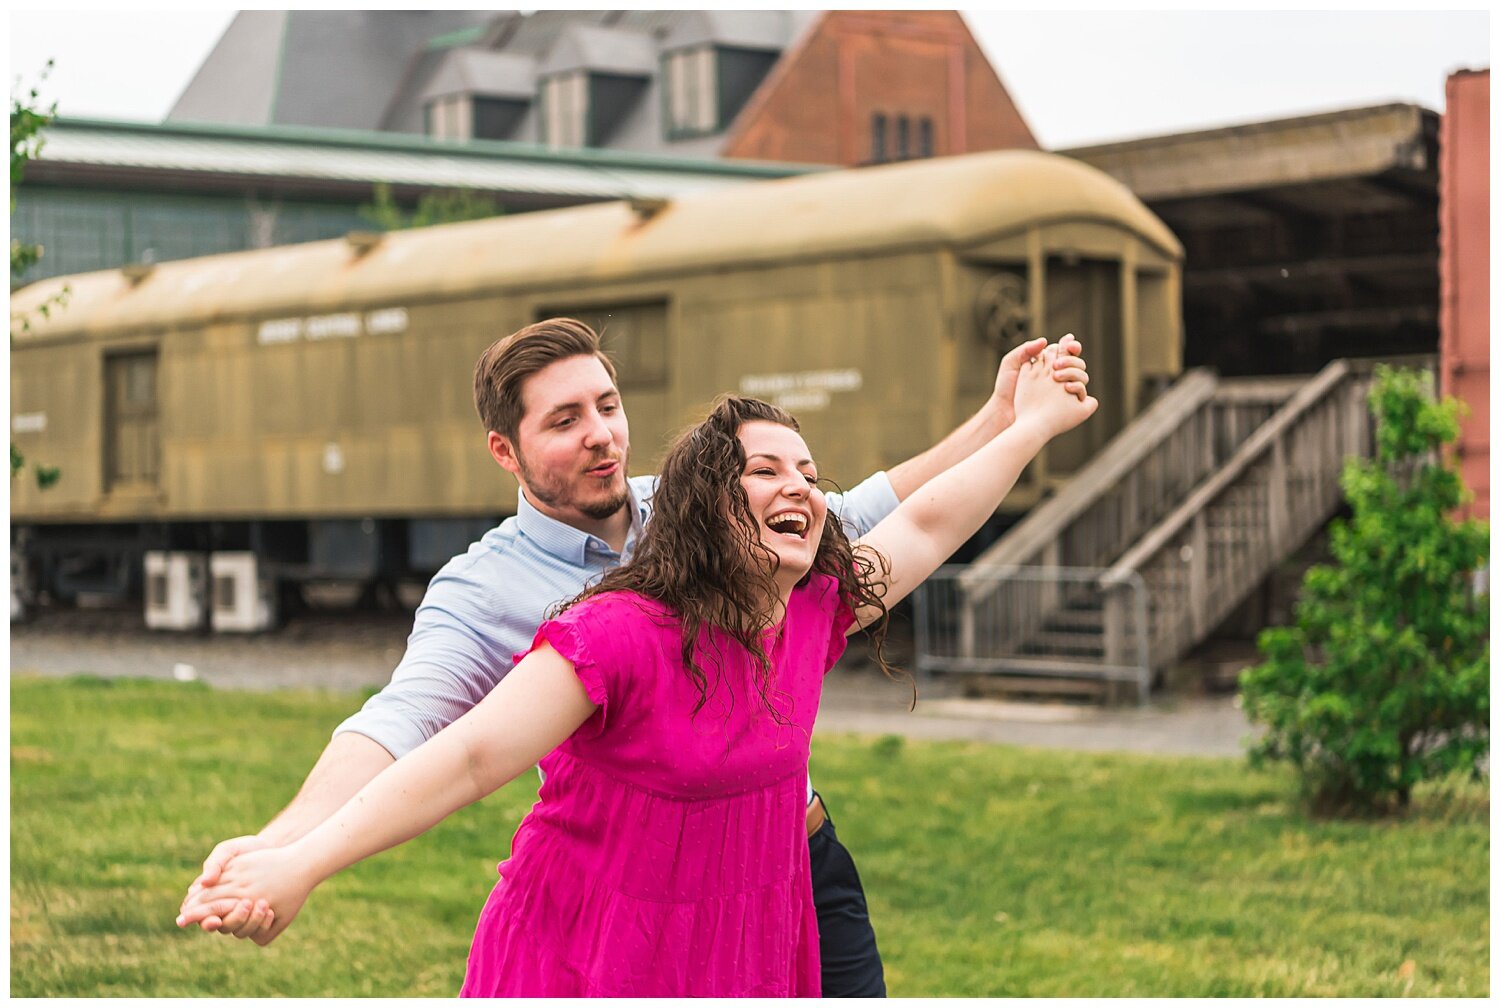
176 590
19 575
244 601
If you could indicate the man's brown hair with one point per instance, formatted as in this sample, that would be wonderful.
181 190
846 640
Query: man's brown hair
504 367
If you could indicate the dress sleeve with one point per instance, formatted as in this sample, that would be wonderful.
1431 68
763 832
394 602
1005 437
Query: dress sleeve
574 636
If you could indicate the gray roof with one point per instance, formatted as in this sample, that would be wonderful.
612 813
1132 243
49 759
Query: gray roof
535 33
237 82
764 29
602 50
312 68
302 155
478 71
376 69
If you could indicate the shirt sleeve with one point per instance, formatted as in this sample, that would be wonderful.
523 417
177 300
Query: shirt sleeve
866 505
458 650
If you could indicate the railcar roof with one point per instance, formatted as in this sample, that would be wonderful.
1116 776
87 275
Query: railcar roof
953 201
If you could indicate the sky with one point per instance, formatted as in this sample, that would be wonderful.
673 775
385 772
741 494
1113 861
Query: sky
1078 76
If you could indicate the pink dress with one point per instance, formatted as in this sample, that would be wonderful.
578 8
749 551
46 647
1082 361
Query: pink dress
667 853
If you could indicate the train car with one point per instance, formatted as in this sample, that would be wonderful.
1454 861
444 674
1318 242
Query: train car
304 413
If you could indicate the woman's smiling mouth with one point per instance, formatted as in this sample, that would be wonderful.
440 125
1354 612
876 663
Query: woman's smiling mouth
789 523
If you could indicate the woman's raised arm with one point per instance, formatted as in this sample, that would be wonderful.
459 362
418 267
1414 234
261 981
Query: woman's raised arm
533 710
949 508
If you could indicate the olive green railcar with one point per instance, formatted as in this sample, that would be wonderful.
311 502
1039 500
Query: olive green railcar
331 380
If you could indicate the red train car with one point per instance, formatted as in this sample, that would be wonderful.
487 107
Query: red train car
1464 319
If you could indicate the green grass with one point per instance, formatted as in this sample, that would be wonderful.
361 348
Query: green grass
990 870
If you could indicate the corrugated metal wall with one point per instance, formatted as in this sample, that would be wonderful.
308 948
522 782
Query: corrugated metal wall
1465 270
82 230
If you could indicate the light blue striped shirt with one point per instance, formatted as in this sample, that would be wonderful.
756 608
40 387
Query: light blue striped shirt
484 606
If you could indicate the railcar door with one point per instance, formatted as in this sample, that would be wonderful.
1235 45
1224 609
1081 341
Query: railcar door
132 434
1083 297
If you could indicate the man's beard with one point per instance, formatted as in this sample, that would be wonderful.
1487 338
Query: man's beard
558 494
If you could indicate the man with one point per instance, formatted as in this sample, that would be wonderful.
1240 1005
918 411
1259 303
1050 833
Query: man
554 418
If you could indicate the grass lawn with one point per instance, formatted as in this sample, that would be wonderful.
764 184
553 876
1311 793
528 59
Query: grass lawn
990 870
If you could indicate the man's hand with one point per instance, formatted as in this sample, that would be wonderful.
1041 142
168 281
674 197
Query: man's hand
1068 367
348 763
271 879
225 916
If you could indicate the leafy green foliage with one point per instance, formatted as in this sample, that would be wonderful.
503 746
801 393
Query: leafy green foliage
436 206
990 870
26 124
1384 680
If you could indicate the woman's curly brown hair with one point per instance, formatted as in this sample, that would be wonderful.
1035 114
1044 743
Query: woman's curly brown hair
712 570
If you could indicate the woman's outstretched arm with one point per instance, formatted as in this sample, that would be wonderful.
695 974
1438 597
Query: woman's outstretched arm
949 508
532 711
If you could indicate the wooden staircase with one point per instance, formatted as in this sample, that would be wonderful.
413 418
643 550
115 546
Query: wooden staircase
1155 541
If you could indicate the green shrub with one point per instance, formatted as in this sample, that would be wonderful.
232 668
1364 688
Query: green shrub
1384 680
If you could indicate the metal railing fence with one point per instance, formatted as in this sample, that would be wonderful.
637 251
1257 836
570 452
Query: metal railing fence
1057 622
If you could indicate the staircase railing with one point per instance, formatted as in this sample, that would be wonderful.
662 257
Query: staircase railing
1071 647
1126 488
1219 543
1134 482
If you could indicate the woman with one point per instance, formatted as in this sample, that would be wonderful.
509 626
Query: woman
671 708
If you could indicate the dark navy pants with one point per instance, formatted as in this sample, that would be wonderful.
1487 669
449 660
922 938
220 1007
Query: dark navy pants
851 962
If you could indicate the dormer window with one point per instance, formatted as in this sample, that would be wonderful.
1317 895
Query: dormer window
565 110
448 118
692 92
472 117
476 95
707 85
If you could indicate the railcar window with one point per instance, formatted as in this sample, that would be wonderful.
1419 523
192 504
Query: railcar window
924 137
877 138
903 138
634 336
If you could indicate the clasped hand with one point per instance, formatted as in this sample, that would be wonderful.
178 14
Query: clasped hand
1066 366
256 895
1046 404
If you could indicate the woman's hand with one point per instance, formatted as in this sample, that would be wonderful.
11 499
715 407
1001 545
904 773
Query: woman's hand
1067 367
1045 403
275 881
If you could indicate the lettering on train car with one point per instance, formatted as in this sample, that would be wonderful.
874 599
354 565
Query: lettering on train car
339 325
802 390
